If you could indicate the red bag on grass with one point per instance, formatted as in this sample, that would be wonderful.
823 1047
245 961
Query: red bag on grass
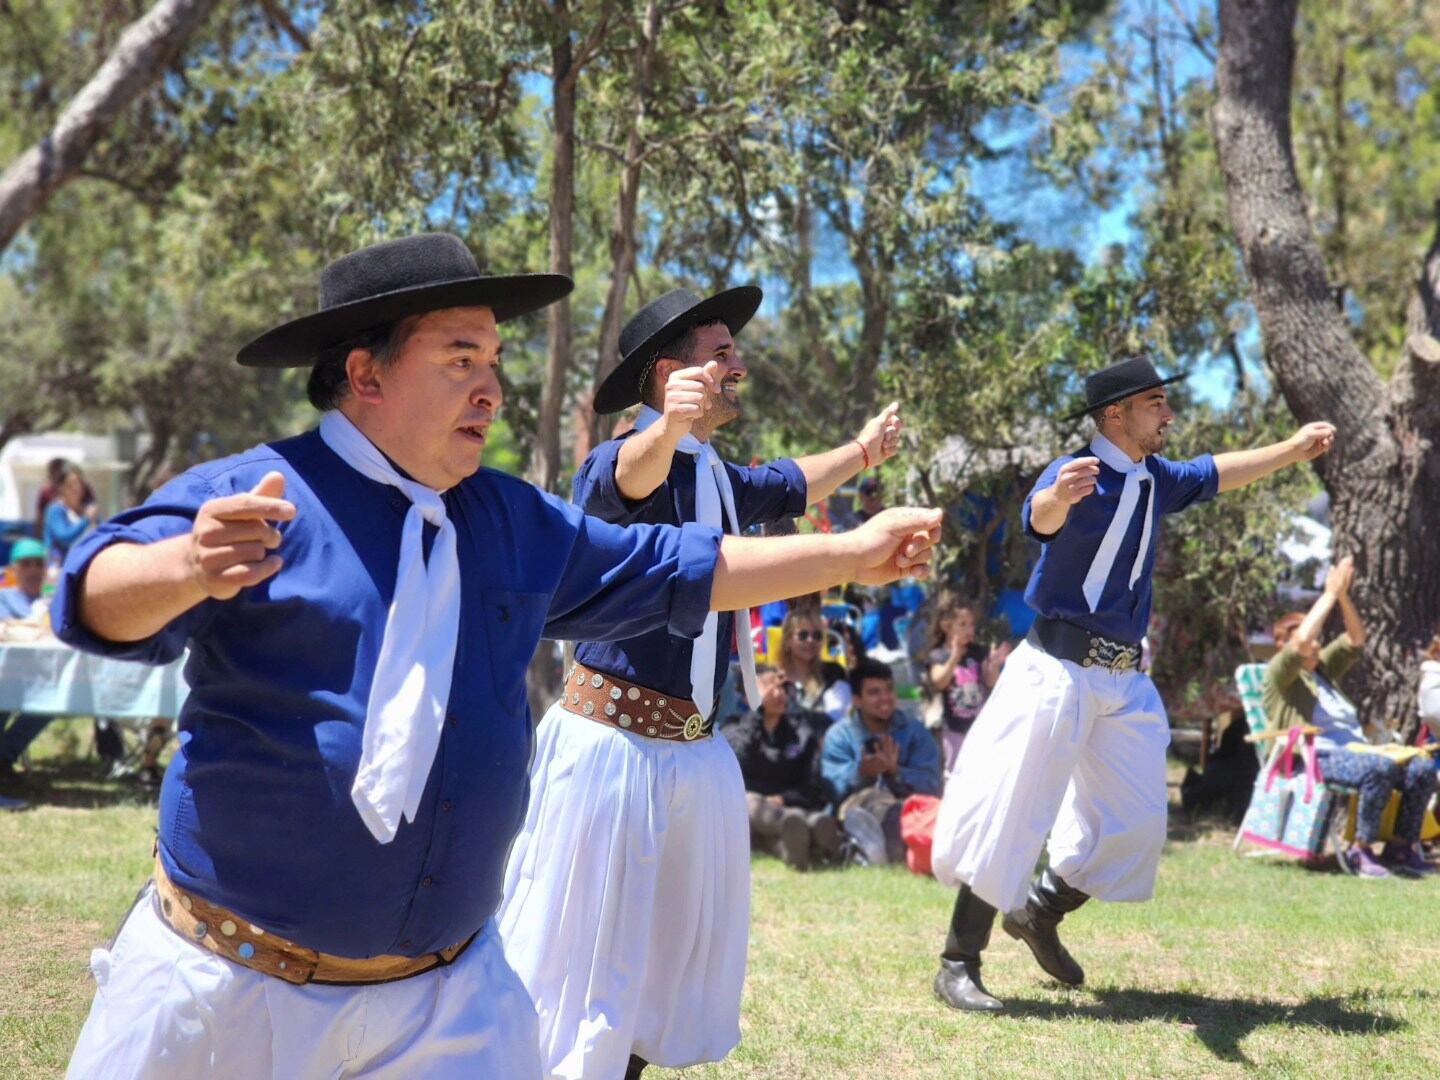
917 829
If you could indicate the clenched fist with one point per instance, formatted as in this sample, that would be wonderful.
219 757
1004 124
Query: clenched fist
1313 440
232 540
896 543
1076 479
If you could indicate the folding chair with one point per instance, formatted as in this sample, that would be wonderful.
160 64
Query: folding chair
1340 832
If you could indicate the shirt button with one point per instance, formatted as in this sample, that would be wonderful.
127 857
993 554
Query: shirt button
405 944
452 719
446 806
427 881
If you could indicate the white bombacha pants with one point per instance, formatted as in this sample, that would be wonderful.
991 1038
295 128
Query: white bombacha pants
1073 752
627 898
165 1007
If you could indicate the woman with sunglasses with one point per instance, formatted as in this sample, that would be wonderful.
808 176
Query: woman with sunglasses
818 685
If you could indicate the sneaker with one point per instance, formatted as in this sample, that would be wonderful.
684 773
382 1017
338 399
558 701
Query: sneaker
865 830
1364 864
1406 859
794 844
12 804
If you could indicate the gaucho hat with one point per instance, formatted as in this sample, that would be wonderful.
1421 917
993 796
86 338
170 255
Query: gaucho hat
385 282
661 322
1133 375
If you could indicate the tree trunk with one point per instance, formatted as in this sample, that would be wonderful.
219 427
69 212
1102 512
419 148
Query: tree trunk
564 76
141 54
622 236
1383 473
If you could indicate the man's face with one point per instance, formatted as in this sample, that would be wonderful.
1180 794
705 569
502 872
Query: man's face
431 409
1145 418
772 691
29 575
877 700
715 342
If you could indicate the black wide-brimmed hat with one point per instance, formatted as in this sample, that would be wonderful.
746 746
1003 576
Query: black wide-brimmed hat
659 323
1133 375
384 282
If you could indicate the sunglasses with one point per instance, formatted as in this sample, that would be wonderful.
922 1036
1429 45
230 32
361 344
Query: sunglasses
809 635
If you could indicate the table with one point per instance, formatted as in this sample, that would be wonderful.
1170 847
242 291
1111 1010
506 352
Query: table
47 678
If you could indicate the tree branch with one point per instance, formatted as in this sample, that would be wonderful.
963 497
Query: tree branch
139 57
280 19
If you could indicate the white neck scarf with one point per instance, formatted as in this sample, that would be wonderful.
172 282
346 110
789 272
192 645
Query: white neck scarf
411 689
712 491
1104 561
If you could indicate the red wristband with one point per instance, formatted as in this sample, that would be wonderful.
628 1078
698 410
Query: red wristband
863 451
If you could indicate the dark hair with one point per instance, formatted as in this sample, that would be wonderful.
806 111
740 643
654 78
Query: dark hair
68 469
55 468
944 610
681 347
1286 625
329 382
870 669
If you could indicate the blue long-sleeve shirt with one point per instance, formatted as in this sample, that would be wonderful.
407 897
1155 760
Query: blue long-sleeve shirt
255 811
1056 583
919 768
62 529
656 658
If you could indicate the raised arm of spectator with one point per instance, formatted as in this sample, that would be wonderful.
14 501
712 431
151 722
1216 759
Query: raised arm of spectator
1354 626
1241 467
877 443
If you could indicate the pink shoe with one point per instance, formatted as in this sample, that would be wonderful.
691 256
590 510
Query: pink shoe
1364 864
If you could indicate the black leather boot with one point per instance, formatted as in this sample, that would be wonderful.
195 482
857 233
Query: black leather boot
1050 900
957 983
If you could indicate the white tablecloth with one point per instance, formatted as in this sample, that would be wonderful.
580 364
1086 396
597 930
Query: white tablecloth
51 679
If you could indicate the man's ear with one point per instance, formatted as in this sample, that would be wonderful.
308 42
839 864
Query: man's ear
363 374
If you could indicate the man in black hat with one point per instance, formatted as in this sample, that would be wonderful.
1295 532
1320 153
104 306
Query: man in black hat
626 905
360 604
1072 740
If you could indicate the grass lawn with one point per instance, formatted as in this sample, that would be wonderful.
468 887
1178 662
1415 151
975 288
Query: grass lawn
1240 967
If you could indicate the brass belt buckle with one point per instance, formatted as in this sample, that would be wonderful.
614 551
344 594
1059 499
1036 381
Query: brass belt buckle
1110 654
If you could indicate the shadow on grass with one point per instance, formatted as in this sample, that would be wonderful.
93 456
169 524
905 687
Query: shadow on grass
77 785
1221 1023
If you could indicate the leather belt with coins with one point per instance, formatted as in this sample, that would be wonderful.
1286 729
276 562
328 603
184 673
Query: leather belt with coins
632 707
1066 641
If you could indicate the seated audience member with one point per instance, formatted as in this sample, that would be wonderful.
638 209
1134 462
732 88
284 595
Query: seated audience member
1300 689
1430 687
68 515
27 563
778 747
816 685
853 644
875 759
962 672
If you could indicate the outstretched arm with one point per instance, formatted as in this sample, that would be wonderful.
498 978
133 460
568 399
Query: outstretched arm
133 591
880 437
1241 467
756 570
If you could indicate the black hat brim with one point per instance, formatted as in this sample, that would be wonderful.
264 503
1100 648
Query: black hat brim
1088 409
734 307
295 343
